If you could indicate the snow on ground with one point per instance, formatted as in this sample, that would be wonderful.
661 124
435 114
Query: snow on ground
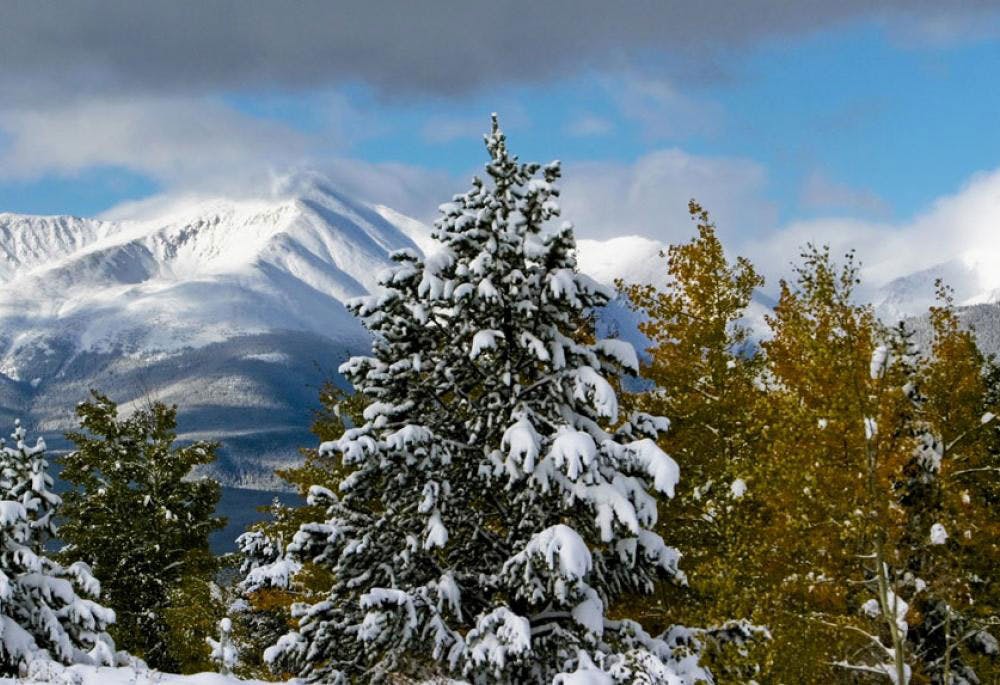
55 674
51 673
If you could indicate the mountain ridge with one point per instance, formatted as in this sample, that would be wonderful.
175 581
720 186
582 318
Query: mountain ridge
234 309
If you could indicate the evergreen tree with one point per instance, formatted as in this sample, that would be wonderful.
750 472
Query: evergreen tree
194 606
138 518
497 503
270 579
25 474
47 611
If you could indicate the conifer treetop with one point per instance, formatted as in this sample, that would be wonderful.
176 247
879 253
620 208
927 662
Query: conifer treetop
497 502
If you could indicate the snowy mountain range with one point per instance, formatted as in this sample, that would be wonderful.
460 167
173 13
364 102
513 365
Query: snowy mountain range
975 282
973 277
234 310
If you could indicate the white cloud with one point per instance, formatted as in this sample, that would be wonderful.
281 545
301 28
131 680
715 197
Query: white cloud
650 196
203 144
660 109
946 26
447 128
961 226
410 190
589 125
178 141
649 199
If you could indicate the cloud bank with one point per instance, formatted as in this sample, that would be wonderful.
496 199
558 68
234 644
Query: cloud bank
435 47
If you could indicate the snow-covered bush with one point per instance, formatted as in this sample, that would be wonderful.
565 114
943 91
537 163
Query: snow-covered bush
497 502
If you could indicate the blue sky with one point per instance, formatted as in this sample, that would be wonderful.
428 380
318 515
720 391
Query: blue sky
868 117
902 122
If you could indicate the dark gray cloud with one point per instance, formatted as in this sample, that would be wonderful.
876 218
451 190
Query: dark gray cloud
400 47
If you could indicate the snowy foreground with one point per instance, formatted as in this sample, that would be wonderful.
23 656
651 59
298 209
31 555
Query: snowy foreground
53 673
50 672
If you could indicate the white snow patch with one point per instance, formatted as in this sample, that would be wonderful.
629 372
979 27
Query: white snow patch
484 340
52 673
562 548
269 357
586 673
871 428
879 362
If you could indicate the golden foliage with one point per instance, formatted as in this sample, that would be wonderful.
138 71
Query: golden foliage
814 465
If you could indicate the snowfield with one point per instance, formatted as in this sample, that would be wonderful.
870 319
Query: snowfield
50 672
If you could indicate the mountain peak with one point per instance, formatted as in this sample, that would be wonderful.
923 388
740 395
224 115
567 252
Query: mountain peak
972 276
188 271
230 306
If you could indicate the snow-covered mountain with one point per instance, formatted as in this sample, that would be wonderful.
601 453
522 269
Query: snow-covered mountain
234 309
973 281
231 308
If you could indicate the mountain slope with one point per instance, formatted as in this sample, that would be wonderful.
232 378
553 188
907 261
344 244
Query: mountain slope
232 309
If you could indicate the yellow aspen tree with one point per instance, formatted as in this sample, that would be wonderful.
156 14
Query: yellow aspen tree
838 441
951 499
867 434
703 368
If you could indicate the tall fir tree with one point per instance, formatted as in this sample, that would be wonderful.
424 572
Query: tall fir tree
139 519
47 611
497 503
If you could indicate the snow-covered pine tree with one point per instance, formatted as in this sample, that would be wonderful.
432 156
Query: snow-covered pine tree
497 504
47 611
261 610
24 472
